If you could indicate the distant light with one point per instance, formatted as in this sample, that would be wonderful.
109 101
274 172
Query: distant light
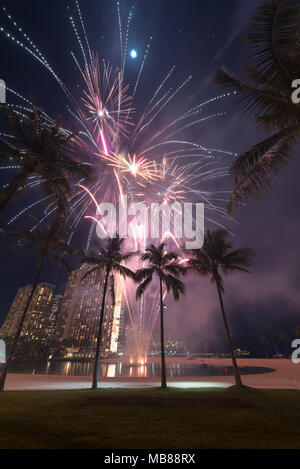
133 54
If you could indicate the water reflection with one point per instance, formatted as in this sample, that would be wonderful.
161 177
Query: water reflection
125 370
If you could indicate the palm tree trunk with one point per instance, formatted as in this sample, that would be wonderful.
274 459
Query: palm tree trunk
265 350
12 189
162 340
99 337
19 330
287 350
275 346
263 344
238 380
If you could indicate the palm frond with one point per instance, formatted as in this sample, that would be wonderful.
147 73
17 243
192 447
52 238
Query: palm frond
142 274
262 174
143 286
176 285
199 265
176 269
263 101
43 149
272 31
125 271
150 253
245 162
88 273
217 253
109 256
238 259
273 62
169 256
127 256
92 259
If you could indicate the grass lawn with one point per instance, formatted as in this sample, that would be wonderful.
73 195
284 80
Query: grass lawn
152 419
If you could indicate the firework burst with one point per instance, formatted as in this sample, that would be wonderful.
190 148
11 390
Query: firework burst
107 104
139 168
137 151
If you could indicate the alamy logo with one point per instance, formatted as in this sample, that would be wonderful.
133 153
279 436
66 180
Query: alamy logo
2 351
2 92
183 222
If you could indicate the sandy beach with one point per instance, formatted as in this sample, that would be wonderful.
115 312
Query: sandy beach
286 375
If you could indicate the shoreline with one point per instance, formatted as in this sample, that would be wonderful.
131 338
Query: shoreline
286 375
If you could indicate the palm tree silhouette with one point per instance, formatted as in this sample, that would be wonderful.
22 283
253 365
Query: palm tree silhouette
41 149
44 239
109 259
264 341
285 340
217 253
165 266
273 64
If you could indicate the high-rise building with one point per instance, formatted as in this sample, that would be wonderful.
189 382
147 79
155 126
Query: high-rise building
39 318
55 305
78 321
13 318
118 321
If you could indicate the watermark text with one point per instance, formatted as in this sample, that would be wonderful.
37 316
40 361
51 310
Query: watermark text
184 222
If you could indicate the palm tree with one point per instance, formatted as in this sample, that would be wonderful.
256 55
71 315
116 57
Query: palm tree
264 341
285 340
44 239
273 64
166 267
42 149
110 260
217 254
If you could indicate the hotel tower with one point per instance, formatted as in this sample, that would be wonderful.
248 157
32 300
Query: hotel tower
78 321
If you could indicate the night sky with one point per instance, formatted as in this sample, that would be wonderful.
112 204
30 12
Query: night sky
198 37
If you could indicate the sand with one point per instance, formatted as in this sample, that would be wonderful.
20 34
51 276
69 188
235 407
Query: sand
286 375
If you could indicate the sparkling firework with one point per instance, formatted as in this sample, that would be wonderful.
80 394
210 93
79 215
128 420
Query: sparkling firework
137 150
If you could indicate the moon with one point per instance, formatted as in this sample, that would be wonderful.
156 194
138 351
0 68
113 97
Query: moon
133 54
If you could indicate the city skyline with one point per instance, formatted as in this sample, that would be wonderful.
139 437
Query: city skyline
54 320
69 320
39 324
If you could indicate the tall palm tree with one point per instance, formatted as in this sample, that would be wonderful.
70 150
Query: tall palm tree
285 340
42 149
44 240
109 259
273 64
165 266
217 254
264 342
